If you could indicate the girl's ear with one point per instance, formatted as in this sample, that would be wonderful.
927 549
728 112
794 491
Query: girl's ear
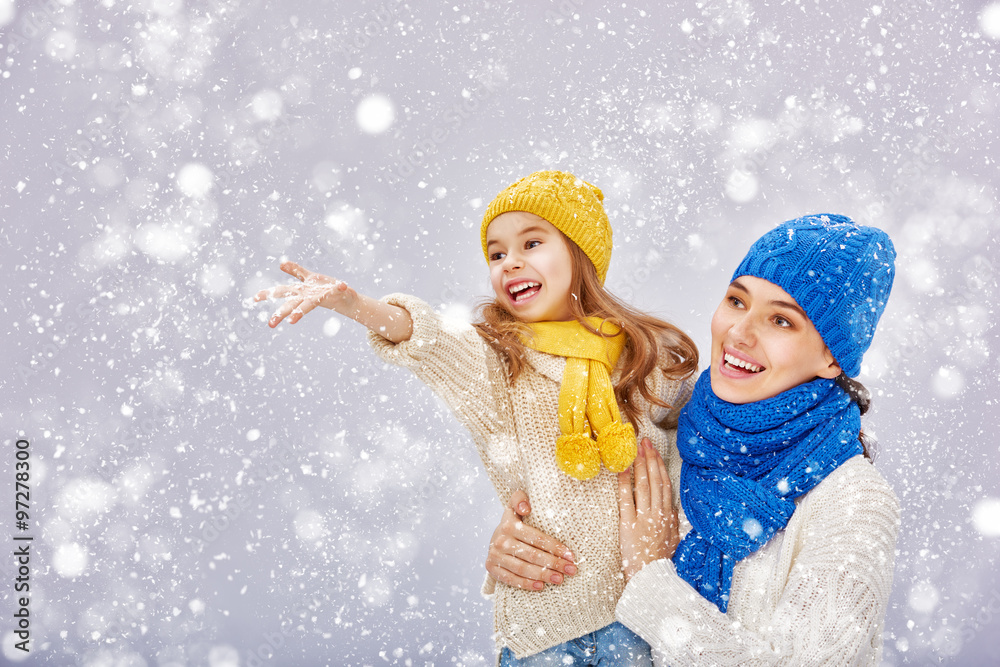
832 368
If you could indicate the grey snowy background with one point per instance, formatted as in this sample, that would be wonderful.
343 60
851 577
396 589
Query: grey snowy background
208 491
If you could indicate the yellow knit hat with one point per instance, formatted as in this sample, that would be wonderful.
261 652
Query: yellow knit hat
571 205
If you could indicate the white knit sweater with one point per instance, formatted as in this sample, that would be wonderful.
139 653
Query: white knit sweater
816 594
514 427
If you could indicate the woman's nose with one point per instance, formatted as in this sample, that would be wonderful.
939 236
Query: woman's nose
744 330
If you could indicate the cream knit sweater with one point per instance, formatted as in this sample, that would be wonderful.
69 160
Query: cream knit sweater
514 428
816 594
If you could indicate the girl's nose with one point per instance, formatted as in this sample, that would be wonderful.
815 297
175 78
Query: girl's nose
512 261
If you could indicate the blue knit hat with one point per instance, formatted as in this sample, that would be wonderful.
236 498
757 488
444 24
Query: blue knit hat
839 272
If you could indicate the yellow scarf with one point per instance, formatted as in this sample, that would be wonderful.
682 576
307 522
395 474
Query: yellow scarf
587 397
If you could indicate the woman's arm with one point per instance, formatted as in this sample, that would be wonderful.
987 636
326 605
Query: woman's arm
391 322
830 609
525 557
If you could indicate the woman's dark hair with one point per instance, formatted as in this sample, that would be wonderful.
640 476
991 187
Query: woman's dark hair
860 395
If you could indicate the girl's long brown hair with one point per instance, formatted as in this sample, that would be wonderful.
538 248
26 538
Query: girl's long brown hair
647 336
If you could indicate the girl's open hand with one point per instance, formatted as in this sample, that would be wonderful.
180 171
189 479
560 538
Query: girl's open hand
648 528
300 298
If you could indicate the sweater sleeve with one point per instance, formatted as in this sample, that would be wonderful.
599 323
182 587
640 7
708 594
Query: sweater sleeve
453 360
830 610
676 393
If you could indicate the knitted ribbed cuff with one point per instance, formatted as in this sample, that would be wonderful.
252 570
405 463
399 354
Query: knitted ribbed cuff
426 327
659 606
489 587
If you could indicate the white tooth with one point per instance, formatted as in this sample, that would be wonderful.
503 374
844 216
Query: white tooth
521 287
739 363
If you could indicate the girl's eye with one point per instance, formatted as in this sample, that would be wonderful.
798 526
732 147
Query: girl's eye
496 256
532 244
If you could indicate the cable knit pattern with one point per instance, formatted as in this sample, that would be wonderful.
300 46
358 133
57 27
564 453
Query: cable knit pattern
838 271
816 594
514 428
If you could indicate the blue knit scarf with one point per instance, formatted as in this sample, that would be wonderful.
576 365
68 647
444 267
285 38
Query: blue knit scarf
743 465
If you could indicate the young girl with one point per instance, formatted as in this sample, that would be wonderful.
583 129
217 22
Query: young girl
788 530
554 383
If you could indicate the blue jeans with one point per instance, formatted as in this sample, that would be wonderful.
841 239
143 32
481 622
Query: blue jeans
612 646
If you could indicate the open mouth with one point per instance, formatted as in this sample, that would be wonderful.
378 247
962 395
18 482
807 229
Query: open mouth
522 291
739 365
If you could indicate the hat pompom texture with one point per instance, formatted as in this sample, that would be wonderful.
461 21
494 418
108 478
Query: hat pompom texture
839 272
572 205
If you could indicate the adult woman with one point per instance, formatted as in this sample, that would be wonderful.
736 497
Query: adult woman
788 531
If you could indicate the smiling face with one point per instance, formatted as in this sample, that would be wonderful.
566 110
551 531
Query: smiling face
530 267
764 344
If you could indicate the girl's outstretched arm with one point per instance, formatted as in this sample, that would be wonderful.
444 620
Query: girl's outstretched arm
390 322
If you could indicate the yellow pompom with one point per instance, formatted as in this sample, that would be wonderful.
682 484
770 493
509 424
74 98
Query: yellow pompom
577 455
616 441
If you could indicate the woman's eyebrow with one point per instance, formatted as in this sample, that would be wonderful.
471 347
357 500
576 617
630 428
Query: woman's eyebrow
736 284
788 304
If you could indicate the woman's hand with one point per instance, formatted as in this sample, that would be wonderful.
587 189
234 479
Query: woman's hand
523 556
648 528
314 290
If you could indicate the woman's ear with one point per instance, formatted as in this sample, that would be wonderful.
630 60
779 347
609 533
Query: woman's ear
832 369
